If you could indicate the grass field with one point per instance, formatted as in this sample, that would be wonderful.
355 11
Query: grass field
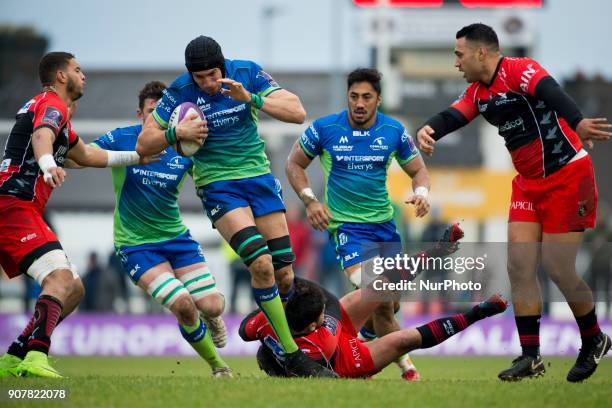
186 382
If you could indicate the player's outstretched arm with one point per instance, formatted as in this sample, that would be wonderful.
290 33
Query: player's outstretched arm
152 139
295 169
91 156
42 144
439 126
417 171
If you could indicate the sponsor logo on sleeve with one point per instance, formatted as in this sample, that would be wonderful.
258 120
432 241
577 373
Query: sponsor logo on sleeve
263 74
52 117
406 138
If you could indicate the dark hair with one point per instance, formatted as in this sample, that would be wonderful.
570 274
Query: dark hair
152 90
370 75
480 33
305 306
50 64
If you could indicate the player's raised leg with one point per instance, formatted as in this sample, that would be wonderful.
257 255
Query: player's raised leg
559 252
238 228
523 254
387 349
160 282
199 281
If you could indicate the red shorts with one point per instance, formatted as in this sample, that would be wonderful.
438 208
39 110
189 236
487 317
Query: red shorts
352 358
24 235
565 201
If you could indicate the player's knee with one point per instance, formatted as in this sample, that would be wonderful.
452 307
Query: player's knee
520 272
385 311
250 245
212 305
284 279
185 310
60 284
262 269
77 290
282 254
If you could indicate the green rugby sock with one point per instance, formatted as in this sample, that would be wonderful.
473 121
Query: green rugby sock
270 304
199 338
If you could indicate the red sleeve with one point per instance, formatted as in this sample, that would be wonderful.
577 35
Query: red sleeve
251 325
322 343
523 74
466 103
50 113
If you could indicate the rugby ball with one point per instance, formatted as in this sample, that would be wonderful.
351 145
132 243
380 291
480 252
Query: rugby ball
185 147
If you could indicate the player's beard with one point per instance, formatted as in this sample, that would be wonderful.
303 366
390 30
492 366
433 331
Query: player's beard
364 119
73 89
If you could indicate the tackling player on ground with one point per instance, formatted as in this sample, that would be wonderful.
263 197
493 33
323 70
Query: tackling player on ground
554 196
155 247
31 167
327 328
232 172
356 147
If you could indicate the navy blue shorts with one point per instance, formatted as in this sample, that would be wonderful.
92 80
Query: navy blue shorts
358 242
179 252
262 193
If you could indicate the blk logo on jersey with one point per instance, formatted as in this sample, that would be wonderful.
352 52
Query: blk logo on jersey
358 133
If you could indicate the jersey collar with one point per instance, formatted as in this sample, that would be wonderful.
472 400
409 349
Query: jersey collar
495 73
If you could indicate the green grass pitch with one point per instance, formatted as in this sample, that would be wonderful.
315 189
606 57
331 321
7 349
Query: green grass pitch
186 382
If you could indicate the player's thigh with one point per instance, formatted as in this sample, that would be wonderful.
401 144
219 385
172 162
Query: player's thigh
234 221
272 225
150 275
357 308
200 282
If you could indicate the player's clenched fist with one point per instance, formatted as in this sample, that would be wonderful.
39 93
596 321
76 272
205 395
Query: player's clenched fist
55 176
318 215
425 139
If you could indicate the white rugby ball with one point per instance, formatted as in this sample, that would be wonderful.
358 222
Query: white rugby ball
185 147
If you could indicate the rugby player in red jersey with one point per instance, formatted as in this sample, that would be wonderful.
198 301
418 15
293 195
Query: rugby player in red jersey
31 167
326 328
554 196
